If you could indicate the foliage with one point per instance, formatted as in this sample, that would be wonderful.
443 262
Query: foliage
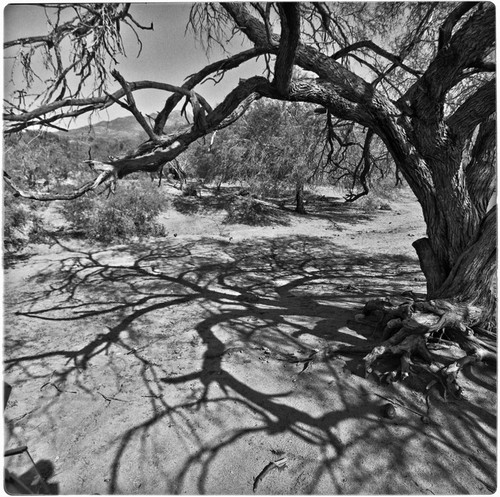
14 223
269 150
247 210
278 147
131 212
22 225
42 160
186 205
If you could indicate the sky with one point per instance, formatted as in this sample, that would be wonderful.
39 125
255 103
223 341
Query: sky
169 54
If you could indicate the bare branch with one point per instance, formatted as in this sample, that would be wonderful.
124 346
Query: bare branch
151 155
379 50
132 107
472 42
76 54
475 110
26 119
366 161
289 40
47 197
193 80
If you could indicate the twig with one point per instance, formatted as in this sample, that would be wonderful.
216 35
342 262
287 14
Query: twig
399 403
279 464
50 382
109 399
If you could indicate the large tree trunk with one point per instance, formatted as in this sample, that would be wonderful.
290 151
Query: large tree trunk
458 257
473 277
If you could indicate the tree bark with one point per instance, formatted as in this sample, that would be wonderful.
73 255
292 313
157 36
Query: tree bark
429 263
299 199
473 277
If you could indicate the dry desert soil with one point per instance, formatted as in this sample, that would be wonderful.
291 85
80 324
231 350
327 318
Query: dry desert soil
157 366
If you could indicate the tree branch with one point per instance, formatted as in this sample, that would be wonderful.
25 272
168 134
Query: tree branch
85 105
80 46
345 83
379 50
151 155
289 40
366 161
193 80
475 110
446 29
132 107
474 41
47 197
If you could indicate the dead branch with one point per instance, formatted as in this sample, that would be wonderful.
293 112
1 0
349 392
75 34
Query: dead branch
193 80
367 162
47 197
379 50
25 119
132 107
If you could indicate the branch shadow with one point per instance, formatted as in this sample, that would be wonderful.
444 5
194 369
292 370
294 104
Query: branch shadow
192 336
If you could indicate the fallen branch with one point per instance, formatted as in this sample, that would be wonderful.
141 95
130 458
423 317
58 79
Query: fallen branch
46 197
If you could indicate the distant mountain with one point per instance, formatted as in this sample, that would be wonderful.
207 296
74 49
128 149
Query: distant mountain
114 137
125 129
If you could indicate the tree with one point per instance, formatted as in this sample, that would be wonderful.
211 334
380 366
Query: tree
280 150
269 149
428 93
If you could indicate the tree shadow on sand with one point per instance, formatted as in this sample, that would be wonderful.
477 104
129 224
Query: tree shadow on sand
193 337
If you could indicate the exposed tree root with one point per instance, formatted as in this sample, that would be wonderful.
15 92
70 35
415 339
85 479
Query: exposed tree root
409 332
409 329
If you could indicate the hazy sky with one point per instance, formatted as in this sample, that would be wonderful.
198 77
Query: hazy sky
168 54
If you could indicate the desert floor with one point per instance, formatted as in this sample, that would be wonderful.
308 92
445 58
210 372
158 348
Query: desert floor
157 367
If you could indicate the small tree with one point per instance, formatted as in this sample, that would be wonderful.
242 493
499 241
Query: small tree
273 148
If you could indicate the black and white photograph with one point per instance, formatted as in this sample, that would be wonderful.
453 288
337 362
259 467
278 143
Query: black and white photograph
250 248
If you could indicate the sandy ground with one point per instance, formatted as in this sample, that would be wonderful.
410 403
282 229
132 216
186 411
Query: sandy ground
156 367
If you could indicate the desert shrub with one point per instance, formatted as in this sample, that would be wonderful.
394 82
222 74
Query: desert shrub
385 189
36 230
374 202
131 212
247 211
186 205
14 224
22 226
190 190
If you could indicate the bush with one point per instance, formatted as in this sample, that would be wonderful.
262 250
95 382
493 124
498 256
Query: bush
132 211
191 190
372 203
247 211
15 221
21 226
186 205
